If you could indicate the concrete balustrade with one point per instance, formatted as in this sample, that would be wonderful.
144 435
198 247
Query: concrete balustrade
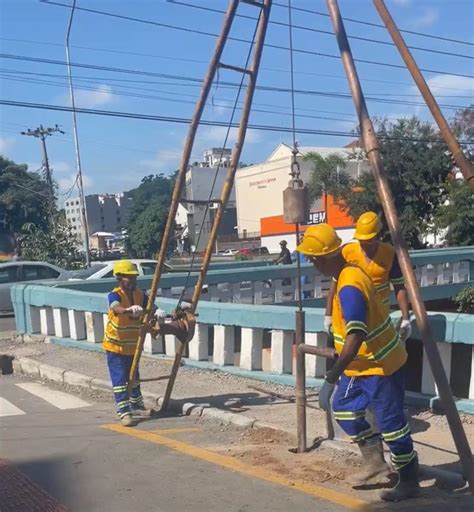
67 314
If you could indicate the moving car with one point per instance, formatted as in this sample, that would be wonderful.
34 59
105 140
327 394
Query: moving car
14 272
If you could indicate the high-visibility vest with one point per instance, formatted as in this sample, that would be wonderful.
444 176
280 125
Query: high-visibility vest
121 333
378 267
381 353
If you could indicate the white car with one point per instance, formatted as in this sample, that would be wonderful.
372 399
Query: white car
105 269
230 252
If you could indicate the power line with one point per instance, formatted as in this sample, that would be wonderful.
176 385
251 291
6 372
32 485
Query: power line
199 61
189 30
196 80
325 32
378 25
102 80
183 120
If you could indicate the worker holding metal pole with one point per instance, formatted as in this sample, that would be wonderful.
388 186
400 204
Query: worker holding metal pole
386 199
369 369
126 306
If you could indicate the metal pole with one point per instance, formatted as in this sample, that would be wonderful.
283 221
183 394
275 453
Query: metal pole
49 180
463 163
386 198
300 382
82 199
179 184
229 181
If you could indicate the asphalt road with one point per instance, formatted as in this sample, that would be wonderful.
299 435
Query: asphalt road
65 444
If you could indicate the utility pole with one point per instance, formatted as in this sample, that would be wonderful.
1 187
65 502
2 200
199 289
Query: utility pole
42 133
80 186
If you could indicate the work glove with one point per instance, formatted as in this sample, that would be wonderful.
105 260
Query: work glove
160 315
328 324
405 330
325 394
135 310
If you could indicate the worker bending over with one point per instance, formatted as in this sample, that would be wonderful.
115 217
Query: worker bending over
379 261
127 304
369 367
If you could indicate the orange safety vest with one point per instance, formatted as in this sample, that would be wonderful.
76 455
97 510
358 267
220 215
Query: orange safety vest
121 333
378 268
381 353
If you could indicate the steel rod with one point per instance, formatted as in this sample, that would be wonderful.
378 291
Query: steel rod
328 353
300 382
229 181
179 185
463 163
386 198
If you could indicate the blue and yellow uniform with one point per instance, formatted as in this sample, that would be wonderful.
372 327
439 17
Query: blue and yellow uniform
375 376
120 340
383 268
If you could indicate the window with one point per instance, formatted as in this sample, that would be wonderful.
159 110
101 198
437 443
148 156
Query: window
148 268
77 210
33 272
9 274
108 274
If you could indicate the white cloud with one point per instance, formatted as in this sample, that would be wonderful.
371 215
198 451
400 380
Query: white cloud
101 95
6 143
426 19
447 84
164 160
60 166
403 3
215 136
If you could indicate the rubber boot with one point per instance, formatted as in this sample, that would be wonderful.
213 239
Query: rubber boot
407 486
128 421
375 469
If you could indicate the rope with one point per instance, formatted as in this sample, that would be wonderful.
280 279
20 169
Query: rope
295 170
229 127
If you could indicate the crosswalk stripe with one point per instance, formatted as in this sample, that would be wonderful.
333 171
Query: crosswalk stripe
59 399
8 409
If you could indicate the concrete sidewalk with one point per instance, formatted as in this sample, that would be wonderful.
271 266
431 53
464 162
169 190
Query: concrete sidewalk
224 397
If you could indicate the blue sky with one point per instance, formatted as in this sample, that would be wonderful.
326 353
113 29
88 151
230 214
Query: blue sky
118 152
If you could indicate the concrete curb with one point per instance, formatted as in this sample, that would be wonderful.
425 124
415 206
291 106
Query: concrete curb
33 368
61 376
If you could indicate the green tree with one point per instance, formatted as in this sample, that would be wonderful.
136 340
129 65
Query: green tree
416 164
150 205
56 245
23 196
457 214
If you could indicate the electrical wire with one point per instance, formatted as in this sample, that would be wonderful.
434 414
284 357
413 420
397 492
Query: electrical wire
183 120
229 84
189 30
325 32
199 61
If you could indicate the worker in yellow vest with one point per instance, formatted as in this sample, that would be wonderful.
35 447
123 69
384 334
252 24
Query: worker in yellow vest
380 262
369 367
127 304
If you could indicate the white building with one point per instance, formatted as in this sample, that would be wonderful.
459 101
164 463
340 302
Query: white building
105 212
204 181
259 194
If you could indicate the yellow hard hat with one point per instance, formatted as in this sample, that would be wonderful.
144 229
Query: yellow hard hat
125 268
368 225
319 240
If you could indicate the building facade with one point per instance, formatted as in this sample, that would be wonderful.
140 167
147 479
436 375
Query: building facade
204 181
105 212
259 195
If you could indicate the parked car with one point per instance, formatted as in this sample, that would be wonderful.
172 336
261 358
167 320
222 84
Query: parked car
105 269
260 251
23 271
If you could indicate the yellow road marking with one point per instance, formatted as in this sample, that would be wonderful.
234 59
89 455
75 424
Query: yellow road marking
166 431
333 496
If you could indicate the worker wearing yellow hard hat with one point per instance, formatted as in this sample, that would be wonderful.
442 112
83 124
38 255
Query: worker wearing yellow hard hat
368 369
379 260
127 304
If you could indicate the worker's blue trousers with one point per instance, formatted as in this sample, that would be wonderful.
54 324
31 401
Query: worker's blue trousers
119 369
384 395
